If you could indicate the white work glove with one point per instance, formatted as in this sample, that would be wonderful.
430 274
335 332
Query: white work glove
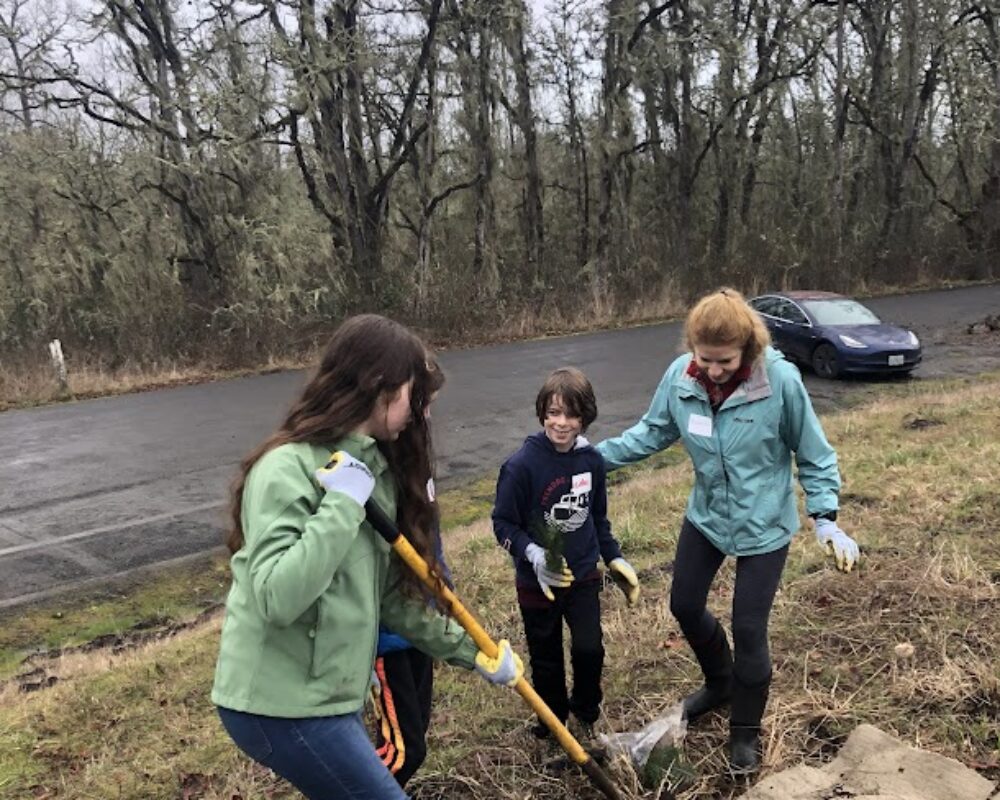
547 579
837 543
624 575
345 474
504 670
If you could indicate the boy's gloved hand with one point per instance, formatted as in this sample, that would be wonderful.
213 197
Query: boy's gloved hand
547 579
345 474
506 669
837 543
624 575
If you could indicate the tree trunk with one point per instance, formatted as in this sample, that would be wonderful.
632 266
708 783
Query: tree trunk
613 82
684 133
840 129
532 217
484 264
725 143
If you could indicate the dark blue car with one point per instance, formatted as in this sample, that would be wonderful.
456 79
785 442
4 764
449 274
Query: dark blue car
835 334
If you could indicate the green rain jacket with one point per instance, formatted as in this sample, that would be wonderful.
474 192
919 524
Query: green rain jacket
743 499
310 585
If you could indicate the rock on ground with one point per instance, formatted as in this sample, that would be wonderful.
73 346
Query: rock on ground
872 764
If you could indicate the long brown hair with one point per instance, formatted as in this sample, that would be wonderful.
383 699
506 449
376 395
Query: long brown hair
368 356
411 457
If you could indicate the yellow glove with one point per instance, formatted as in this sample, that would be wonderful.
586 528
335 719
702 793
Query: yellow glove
624 575
505 669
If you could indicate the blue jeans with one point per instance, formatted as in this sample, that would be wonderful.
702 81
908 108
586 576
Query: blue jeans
325 758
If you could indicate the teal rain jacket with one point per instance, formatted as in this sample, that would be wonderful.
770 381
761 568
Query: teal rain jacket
743 499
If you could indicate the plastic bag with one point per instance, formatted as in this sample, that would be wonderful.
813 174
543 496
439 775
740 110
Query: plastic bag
655 750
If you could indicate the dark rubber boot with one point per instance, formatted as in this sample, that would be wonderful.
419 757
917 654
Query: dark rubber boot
747 709
716 662
540 730
744 750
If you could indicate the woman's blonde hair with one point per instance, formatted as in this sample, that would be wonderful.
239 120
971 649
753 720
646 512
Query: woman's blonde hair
724 318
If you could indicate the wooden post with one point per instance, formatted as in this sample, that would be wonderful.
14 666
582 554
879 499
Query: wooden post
59 366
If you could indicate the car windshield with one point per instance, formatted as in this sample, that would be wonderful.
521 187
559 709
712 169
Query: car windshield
840 312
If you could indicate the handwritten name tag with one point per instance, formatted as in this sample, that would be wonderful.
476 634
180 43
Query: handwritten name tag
699 425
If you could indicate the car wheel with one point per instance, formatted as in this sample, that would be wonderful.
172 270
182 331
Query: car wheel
824 361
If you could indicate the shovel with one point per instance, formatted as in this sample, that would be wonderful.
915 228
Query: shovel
388 530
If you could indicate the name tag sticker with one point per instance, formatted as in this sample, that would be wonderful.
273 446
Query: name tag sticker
699 425
582 483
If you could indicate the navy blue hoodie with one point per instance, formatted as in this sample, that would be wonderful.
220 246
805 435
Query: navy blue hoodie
569 489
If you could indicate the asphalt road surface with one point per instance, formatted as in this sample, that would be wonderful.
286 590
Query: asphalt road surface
100 488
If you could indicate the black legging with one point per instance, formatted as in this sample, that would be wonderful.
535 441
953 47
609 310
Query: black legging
695 566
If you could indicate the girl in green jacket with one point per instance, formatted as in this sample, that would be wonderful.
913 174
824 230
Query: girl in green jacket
742 414
311 580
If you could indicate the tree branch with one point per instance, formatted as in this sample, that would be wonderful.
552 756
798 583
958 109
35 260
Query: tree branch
411 93
440 197
382 185
961 217
312 190
654 13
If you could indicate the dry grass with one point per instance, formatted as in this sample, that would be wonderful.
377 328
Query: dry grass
33 384
921 499
30 382
669 303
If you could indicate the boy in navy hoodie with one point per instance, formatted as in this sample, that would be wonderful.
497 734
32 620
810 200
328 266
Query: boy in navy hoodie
551 502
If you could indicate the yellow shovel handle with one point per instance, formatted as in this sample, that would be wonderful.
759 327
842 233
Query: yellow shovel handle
388 531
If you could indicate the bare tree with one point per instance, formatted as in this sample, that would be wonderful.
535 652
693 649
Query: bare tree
563 44
532 215
614 134
473 45
255 168
28 31
349 177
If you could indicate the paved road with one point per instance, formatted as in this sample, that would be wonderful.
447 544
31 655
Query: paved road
96 489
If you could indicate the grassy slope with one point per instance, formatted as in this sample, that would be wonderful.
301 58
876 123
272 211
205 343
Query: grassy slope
920 497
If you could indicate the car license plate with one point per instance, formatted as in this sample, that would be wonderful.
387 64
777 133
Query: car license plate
895 361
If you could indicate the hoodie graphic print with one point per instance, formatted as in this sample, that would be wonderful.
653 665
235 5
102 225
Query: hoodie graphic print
565 490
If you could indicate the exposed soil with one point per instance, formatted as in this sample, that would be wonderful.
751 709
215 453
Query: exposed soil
965 348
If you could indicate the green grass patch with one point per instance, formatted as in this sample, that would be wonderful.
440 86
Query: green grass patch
139 608
465 504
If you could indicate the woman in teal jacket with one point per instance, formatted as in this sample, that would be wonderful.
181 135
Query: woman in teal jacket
741 412
311 580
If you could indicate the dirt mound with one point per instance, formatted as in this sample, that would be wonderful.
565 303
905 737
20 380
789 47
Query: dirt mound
991 324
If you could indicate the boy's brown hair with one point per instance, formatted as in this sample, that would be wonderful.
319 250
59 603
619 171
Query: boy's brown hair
577 395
